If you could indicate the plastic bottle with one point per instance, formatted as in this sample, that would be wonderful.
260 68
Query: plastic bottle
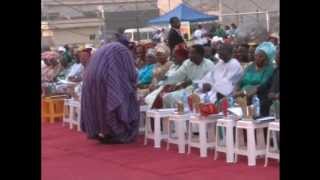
185 102
231 101
195 86
206 98
256 105
224 106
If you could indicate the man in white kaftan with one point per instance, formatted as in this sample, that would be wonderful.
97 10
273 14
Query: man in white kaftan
192 69
223 78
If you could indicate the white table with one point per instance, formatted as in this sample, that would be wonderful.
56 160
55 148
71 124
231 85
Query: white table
180 123
158 116
253 149
275 154
228 148
204 141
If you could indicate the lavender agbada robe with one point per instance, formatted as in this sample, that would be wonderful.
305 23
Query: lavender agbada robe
108 103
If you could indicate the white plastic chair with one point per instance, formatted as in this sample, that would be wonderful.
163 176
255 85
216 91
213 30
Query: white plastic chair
180 123
274 153
157 135
66 112
206 134
228 124
253 149
75 113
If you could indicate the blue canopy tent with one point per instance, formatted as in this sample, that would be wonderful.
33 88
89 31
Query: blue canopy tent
184 13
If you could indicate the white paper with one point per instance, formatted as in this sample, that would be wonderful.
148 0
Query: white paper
236 111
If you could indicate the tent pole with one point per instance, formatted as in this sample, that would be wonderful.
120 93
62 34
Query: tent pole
268 20
137 21
220 10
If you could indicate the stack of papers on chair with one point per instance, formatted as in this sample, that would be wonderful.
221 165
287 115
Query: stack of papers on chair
237 111
265 119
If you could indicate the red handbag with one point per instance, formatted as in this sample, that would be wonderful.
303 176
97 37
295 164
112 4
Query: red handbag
207 109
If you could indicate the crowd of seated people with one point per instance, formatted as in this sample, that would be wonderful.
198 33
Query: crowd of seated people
220 68
62 70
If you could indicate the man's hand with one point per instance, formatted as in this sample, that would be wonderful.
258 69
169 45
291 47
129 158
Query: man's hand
74 79
184 84
206 87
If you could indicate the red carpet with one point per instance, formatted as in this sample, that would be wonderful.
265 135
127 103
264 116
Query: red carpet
69 155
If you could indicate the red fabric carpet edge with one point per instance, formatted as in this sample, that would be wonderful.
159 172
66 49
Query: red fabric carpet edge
69 155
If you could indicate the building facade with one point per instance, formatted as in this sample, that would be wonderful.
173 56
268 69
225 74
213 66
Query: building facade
81 21
240 12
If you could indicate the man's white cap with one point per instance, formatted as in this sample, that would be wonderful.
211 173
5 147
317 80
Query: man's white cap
62 49
88 46
216 39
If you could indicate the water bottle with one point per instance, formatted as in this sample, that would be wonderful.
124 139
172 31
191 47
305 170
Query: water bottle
185 101
256 105
195 86
231 101
277 109
206 98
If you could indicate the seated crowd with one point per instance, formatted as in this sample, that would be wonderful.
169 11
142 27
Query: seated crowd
169 71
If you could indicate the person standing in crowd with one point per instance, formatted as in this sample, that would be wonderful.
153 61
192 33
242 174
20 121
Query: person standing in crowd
109 106
234 30
156 37
227 30
121 37
219 32
222 79
67 55
199 36
174 36
256 75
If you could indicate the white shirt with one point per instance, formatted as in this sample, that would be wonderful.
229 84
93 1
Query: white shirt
199 39
75 70
191 71
223 77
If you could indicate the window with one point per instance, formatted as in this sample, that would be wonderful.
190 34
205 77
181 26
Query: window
90 14
53 15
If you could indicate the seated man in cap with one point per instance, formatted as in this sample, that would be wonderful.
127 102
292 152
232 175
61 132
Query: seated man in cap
222 79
